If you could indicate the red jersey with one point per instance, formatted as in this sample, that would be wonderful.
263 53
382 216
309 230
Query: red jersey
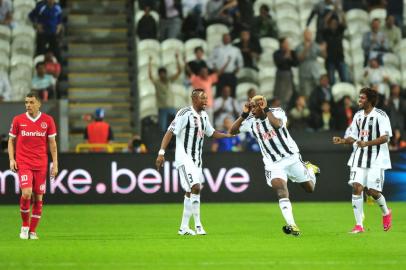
32 140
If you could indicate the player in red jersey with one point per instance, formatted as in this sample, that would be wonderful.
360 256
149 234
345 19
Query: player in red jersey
29 135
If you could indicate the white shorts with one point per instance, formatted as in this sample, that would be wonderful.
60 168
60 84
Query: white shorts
291 168
372 178
190 175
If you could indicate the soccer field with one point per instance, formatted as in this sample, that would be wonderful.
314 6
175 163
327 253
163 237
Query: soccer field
240 236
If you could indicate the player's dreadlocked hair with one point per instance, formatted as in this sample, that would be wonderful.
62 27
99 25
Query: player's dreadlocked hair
372 95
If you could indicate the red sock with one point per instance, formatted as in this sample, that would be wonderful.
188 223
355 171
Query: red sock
36 215
25 211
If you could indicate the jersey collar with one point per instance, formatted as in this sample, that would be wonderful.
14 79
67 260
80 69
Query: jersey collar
194 112
33 119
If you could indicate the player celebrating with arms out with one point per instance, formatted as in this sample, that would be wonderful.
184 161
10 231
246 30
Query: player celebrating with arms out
29 135
369 132
280 154
189 126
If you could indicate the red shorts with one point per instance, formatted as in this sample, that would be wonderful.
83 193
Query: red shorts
35 179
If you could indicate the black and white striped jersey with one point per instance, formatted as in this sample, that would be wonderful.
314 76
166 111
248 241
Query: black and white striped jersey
190 128
275 144
367 128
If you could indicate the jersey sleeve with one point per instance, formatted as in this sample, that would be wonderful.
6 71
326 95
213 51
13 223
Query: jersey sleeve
51 128
281 115
209 130
246 125
384 126
178 123
353 130
14 128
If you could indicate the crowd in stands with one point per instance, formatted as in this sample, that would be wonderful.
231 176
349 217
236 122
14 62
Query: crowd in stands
304 71
29 48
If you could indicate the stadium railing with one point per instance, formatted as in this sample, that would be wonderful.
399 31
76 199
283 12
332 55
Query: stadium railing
100 147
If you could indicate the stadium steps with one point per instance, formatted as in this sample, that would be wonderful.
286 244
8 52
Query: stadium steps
99 65
83 49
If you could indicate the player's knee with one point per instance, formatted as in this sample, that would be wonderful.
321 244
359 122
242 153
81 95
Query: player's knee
26 194
282 193
196 189
357 189
374 193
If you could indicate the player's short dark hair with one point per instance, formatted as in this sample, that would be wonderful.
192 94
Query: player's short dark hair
372 95
41 63
33 94
198 48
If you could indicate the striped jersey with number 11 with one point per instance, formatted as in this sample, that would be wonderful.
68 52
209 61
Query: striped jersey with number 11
190 128
367 128
275 143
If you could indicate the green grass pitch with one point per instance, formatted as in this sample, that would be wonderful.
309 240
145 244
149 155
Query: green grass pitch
240 236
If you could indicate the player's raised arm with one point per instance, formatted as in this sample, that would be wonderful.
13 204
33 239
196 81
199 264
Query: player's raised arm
235 128
275 122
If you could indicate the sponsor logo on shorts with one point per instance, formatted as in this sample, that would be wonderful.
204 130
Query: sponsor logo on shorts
42 187
44 125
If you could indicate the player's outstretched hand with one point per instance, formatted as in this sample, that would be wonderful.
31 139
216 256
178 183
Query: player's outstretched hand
13 166
361 144
159 162
337 140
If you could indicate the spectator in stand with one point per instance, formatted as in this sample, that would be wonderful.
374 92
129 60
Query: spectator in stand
299 115
147 27
197 64
52 67
43 83
225 106
324 120
245 15
373 4
193 25
136 145
151 3
395 8
6 13
164 95
321 9
205 81
98 131
232 144
344 112
307 53
170 14
321 93
392 33
264 25
221 11
250 49
274 102
333 35
376 77
222 54
5 88
284 59
47 19
374 42
395 106
250 94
